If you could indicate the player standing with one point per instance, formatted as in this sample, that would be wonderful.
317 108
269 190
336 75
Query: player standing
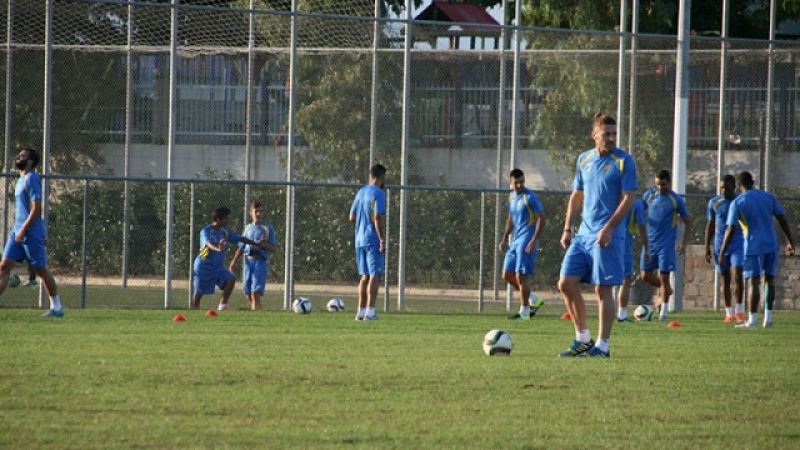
367 212
256 265
635 221
753 209
717 216
526 219
604 185
663 207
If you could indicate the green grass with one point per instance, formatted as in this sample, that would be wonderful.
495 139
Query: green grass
272 379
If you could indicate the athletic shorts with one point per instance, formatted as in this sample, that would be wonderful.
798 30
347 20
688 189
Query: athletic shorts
205 282
517 260
732 259
758 265
628 260
31 248
370 260
594 264
662 259
255 275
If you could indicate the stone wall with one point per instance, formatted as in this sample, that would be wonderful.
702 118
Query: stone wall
698 290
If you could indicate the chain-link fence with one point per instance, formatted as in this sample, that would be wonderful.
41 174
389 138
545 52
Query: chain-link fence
229 100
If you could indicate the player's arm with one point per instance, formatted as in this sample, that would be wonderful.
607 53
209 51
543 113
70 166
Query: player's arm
624 207
645 241
377 220
687 226
711 228
787 230
236 257
726 241
503 245
539 227
35 215
573 206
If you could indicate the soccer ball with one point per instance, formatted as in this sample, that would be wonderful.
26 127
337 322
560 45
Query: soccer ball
643 313
335 305
302 305
497 343
13 280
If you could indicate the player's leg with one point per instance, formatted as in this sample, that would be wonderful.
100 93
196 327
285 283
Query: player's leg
576 265
375 265
648 268
624 297
606 312
738 293
226 281
770 270
6 265
752 276
664 293
607 272
363 282
36 255
14 251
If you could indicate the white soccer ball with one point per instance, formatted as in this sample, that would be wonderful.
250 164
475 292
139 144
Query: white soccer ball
643 313
13 280
497 343
335 305
302 305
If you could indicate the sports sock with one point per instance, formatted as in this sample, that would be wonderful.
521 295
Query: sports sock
371 311
740 308
623 313
753 318
362 312
583 336
728 311
524 311
602 344
664 309
55 302
767 316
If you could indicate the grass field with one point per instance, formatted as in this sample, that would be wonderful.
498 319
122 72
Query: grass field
272 379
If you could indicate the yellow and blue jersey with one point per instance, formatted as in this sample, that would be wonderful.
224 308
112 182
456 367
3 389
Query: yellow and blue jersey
28 190
718 212
210 235
603 179
524 209
256 233
753 210
662 213
370 201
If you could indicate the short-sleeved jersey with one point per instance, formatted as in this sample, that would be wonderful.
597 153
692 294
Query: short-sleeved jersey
256 233
662 213
718 212
209 234
524 209
370 201
753 210
28 190
635 218
603 179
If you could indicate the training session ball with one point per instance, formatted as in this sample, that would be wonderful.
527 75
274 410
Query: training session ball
335 305
497 343
13 280
643 313
302 305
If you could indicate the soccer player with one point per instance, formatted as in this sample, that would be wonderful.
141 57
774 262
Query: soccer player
663 208
367 212
27 239
604 185
635 221
256 266
526 219
753 209
209 265
717 216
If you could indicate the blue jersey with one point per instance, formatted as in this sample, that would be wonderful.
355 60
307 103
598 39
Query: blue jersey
635 218
209 235
256 233
718 212
753 210
370 202
28 190
524 210
603 179
662 217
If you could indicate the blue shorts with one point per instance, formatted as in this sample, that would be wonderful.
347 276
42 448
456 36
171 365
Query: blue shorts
732 259
594 264
204 283
520 262
662 258
255 275
757 265
31 248
370 260
628 260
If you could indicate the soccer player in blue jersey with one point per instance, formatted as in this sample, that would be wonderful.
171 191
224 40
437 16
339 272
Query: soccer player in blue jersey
28 238
635 220
753 210
733 259
604 186
256 265
526 219
663 208
209 265
367 212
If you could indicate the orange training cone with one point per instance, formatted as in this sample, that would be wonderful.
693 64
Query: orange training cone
566 316
211 313
179 318
674 324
